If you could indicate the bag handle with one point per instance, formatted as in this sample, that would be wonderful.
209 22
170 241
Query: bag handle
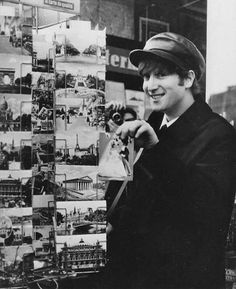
116 200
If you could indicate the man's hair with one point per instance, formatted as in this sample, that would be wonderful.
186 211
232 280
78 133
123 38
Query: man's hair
131 111
167 68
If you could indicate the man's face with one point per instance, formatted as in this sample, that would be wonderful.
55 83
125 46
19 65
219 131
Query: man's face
128 117
165 90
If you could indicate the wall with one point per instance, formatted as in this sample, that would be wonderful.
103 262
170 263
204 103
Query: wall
116 15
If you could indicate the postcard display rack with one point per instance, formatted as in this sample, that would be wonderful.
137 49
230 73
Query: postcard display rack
52 96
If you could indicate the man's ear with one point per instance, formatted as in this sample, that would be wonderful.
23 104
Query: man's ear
190 79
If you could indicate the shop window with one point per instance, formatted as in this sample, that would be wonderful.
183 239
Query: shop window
150 27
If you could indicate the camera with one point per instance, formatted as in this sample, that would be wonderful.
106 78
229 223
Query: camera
115 115
117 118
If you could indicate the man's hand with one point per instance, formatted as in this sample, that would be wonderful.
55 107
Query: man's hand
112 126
115 104
109 228
144 135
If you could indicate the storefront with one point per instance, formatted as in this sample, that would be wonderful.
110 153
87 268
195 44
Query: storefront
122 80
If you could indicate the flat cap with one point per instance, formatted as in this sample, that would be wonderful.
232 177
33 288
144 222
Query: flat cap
173 47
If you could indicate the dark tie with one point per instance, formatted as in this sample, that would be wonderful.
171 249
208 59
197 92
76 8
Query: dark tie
162 130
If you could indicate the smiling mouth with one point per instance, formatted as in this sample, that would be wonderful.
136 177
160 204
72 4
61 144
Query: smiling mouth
157 96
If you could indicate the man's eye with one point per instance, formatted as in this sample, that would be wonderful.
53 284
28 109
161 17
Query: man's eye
146 76
160 74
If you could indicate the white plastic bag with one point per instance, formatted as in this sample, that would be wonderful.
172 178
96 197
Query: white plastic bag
111 165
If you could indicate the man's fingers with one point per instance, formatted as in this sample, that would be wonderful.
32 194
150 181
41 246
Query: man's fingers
113 126
141 130
128 129
122 131
121 106
116 105
145 127
108 105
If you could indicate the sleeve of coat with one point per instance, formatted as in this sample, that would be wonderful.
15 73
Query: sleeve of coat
205 188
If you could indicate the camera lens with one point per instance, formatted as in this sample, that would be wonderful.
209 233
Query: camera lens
116 117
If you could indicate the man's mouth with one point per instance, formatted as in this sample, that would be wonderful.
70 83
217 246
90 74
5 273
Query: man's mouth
157 96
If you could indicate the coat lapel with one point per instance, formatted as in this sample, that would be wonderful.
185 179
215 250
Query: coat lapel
189 123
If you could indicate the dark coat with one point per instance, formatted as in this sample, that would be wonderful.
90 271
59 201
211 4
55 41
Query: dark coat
171 230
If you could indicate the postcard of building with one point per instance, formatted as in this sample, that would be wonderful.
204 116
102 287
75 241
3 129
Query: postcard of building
15 189
81 217
15 226
15 112
81 253
43 80
74 183
16 32
15 74
15 151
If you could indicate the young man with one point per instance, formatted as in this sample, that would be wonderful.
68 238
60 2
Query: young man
171 231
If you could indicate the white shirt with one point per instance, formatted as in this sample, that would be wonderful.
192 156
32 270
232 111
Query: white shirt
167 122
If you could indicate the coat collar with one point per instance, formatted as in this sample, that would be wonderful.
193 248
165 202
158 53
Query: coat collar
187 125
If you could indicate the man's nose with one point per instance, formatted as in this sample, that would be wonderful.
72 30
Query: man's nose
152 84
